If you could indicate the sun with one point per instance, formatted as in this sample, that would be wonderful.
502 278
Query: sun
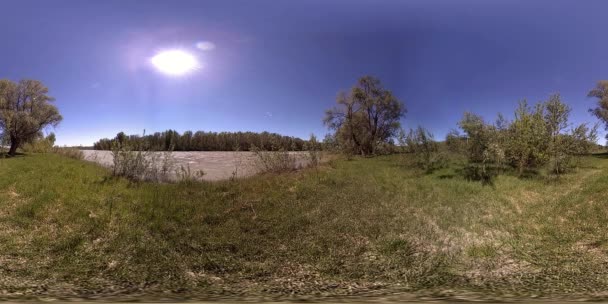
175 62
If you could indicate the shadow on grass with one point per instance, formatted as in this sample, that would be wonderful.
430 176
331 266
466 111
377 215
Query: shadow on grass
5 155
479 173
603 155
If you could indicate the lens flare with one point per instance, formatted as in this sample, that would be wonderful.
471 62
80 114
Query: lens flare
205 46
175 62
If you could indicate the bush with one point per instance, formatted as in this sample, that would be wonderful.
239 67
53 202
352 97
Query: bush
420 144
185 174
40 144
69 152
136 163
313 150
274 161
481 172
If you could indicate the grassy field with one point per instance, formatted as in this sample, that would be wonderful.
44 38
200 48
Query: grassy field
365 226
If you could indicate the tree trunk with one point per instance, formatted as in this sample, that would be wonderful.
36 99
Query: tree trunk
14 144
521 168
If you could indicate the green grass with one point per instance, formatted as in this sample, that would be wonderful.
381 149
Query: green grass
67 229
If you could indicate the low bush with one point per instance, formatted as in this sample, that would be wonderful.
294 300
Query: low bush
69 152
274 161
135 163
422 150
40 144
481 172
185 174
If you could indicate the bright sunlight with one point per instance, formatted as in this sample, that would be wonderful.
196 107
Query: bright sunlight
175 62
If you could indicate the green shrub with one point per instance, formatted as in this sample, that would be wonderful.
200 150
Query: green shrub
40 144
137 163
422 150
274 161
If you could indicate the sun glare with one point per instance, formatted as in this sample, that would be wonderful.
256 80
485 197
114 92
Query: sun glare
175 62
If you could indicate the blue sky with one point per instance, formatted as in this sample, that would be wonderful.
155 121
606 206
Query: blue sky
277 65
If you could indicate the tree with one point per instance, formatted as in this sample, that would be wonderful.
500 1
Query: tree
365 117
171 140
477 136
582 139
455 142
40 144
556 119
51 138
25 110
601 110
528 137
421 144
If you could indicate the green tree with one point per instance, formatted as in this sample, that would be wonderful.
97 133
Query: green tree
528 138
365 117
40 144
455 142
51 138
421 145
556 119
477 136
582 139
25 110
600 92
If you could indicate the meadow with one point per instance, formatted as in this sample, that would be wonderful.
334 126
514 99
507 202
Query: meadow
365 226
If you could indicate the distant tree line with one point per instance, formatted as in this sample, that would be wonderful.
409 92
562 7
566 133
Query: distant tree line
172 140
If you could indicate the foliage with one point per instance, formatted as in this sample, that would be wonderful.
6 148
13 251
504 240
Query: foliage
600 92
25 110
478 136
138 162
313 150
40 144
171 140
69 152
528 138
421 144
330 143
275 161
365 117
535 137
455 142
556 119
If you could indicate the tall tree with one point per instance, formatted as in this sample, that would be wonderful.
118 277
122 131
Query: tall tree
366 116
556 119
601 93
25 110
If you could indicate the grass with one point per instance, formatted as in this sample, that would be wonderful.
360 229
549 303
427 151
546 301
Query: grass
366 226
